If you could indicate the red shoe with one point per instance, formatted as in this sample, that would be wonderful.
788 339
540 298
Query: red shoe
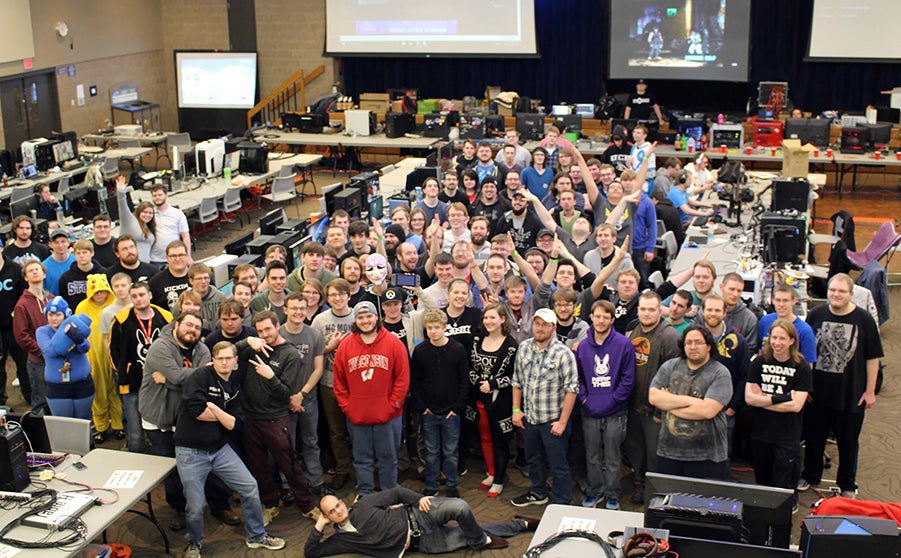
495 490
487 482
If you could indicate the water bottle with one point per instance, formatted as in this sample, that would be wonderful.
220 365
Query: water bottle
60 215
227 174
419 193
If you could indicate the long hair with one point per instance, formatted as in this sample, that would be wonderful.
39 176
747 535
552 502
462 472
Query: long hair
795 355
147 229
503 312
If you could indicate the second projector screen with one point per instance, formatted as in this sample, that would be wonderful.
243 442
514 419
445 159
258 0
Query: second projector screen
680 39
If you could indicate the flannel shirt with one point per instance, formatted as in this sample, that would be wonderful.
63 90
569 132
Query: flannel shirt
545 377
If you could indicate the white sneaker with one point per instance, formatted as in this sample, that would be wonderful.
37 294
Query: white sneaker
192 550
268 542
16 382
269 514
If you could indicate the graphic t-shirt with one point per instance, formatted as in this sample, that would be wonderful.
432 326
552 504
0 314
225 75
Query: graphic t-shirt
778 378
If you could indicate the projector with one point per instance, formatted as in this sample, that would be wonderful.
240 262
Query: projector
128 130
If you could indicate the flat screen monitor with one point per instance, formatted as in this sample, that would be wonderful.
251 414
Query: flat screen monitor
63 151
216 80
236 247
431 160
271 221
767 511
327 201
530 126
418 175
808 130
692 127
35 430
879 133
705 548
446 155
294 252
569 123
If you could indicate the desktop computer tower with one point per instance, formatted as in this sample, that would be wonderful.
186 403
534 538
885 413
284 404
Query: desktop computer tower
399 123
350 200
834 536
311 123
767 134
784 238
791 195
13 467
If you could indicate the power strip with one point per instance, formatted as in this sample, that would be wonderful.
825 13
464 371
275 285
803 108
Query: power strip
15 496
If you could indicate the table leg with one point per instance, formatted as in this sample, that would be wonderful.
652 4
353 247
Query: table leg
151 517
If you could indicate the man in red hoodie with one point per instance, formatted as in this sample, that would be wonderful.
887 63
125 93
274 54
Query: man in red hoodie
372 375
28 316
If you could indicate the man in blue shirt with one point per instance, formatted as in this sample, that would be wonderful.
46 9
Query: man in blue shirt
59 261
784 301
688 208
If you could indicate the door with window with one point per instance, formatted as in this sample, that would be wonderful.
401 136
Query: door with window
30 108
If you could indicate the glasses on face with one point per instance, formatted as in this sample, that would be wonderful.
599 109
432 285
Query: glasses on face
336 295
564 304
694 343
177 255
224 359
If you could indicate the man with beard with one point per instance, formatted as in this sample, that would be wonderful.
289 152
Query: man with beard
520 222
22 247
171 225
270 366
490 206
512 183
655 341
738 315
692 392
394 237
127 252
170 282
372 377
457 218
132 333
485 166
408 264
478 239
569 330
606 366
172 358
732 352
352 272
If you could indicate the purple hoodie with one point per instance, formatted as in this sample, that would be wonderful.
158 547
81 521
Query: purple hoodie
606 373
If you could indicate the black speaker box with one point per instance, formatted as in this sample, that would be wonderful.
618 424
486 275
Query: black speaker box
13 467
790 194
784 238
834 536
495 123
311 123
399 123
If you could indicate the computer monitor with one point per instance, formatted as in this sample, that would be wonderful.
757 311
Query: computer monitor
627 123
23 207
65 150
767 511
327 201
569 123
705 548
34 429
530 126
270 221
418 175
446 155
294 251
253 158
586 110
236 247
879 133
808 130
692 127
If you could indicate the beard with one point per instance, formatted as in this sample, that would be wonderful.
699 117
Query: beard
519 212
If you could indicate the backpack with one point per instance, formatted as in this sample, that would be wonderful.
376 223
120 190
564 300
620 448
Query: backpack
608 107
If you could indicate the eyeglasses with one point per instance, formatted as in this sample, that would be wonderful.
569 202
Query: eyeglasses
335 295
176 255
224 359
695 343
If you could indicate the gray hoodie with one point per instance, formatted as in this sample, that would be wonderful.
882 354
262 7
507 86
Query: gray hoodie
745 322
159 403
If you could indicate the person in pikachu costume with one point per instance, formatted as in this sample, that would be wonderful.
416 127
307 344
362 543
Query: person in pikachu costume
107 407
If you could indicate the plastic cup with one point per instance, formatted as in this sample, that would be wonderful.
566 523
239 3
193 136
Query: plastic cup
748 150
878 155
773 152
829 152
816 152
691 149
898 155
723 148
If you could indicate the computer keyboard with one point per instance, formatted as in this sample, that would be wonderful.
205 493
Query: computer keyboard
35 459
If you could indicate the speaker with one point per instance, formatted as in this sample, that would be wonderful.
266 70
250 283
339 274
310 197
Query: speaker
311 123
791 194
399 123
783 237
13 467
349 199
854 140
834 536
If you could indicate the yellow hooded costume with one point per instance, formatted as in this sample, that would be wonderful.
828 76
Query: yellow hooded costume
107 407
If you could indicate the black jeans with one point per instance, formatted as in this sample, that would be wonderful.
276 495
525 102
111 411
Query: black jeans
818 419
10 348
694 469
777 464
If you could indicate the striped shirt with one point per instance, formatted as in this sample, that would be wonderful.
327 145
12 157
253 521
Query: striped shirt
545 377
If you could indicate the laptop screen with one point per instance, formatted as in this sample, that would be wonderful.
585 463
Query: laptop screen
68 435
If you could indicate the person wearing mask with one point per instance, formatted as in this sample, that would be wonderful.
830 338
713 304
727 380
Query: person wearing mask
64 344
28 316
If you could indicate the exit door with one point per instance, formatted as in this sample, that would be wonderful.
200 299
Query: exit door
30 108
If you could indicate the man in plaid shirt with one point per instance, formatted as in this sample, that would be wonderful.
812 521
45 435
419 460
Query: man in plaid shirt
545 383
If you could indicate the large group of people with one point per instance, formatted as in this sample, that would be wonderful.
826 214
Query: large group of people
507 318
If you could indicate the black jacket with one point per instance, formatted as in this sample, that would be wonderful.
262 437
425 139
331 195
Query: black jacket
202 386
439 378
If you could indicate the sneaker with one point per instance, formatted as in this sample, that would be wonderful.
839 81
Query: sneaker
495 543
612 503
463 472
287 496
803 485
530 523
121 435
794 508
486 482
192 550
453 492
268 542
591 501
313 514
848 494
178 523
269 514
430 492
495 490
529 499
99 437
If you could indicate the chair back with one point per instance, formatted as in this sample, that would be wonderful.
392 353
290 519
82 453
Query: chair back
181 140
232 200
286 170
21 193
208 210
283 185
672 247
656 279
661 228
63 187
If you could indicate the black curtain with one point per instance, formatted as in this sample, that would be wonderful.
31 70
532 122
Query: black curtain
573 38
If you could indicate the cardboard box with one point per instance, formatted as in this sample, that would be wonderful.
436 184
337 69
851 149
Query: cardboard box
376 102
795 158
397 106
505 111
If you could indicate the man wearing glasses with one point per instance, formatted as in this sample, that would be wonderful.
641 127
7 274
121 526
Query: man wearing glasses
171 281
692 392
210 410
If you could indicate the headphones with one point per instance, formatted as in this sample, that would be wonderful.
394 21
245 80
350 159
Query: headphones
683 177
699 159
643 544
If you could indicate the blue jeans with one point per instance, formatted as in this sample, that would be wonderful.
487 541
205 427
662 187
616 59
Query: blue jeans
308 444
543 447
442 437
371 442
195 465
133 430
75 408
604 435
38 401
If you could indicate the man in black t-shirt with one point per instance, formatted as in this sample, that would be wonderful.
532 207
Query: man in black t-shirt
22 246
641 103
170 282
521 222
844 383
104 241
128 263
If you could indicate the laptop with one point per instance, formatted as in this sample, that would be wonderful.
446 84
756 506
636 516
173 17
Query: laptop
68 435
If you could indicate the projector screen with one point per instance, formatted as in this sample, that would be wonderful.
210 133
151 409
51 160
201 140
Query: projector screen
855 30
680 39
489 28
216 80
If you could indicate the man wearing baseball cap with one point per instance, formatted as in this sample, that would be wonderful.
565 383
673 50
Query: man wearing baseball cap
372 376
545 384
641 103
